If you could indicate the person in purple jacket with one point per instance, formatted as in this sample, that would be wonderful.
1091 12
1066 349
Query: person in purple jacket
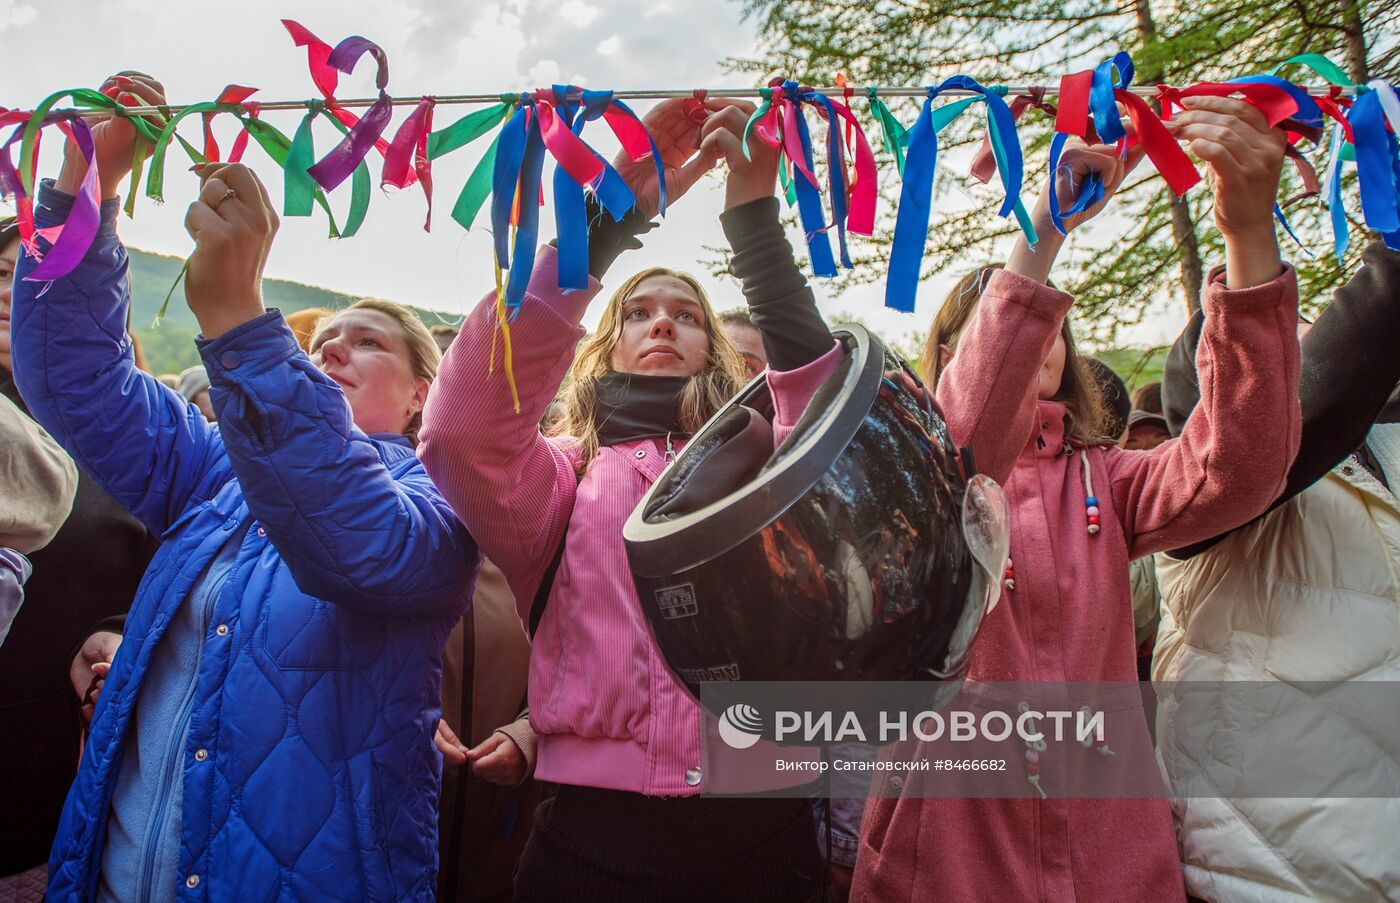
618 733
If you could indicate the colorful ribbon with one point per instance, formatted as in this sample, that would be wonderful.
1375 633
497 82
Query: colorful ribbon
407 156
462 132
779 122
912 218
1375 118
325 67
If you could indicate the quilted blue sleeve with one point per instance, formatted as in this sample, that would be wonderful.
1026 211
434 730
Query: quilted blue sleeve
352 531
143 443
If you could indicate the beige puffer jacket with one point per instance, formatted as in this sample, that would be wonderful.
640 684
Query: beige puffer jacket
1309 593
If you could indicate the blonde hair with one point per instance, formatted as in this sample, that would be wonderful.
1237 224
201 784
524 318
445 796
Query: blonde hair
722 376
423 352
1079 391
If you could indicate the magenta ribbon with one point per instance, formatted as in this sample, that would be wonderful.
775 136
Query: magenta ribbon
407 156
71 240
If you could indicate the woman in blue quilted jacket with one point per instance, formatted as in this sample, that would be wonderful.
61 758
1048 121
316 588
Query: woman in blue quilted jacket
266 728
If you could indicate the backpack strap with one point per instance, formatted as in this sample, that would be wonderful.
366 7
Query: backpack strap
546 586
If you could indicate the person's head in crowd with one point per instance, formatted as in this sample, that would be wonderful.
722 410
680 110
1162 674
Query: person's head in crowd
303 324
193 385
1064 377
384 359
657 323
1117 406
743 335
1146 430
169 380
9 254
1148 397
443 334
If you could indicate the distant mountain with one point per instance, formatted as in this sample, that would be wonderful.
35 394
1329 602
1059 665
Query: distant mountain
169 347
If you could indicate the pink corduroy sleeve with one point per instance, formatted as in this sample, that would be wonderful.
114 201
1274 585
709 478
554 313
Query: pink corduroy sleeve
1232 457
512 488
988 390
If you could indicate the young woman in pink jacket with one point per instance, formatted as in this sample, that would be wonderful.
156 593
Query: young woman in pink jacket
1080 510
618 734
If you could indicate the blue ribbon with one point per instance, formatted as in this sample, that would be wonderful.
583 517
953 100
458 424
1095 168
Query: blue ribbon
809 199
915 199
1341 231
1088 194
1102 103
570 211
1377 167
519 160
836 173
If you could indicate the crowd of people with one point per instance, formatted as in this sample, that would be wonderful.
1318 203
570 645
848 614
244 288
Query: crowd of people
335 615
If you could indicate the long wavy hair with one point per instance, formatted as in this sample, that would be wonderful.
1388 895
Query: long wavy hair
722 376
1079 392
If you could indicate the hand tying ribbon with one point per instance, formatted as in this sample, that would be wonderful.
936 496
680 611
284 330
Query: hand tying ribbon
70 241
1088 109
564 111
911 222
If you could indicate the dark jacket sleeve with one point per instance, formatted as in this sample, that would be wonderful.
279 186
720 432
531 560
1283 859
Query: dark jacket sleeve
140 441
1350 368
780 301
350 531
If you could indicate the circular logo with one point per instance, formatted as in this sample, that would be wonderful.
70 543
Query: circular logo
740 726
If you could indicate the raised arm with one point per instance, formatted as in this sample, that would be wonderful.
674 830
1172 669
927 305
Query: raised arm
1350 368
513 488
357 526
1232 457
989 388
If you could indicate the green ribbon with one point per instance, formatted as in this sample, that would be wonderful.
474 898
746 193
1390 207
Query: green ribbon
155 183
469 128
300 190
894 134
1322 66
789 186
461 133
81 97
477 189
763 108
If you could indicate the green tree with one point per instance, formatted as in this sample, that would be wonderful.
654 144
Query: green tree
1165 244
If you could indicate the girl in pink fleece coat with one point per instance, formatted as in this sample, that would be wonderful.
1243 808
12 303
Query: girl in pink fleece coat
1066 614
618 734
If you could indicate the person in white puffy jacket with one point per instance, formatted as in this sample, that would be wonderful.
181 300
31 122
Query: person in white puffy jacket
1308 592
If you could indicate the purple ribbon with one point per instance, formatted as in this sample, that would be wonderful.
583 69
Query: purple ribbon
337 165
81 227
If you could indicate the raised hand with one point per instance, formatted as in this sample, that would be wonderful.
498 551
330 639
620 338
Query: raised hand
1077 163
675 130
232 223
1245 157
113 138
722 137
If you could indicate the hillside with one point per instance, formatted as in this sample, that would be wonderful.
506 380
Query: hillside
169 347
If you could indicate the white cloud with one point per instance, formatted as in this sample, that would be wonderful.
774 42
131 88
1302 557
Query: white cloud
610 46
578 13
545 72
16 15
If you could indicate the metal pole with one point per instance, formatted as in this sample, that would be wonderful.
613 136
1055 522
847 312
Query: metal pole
663 94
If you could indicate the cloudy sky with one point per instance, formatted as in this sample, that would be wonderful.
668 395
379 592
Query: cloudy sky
433 47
